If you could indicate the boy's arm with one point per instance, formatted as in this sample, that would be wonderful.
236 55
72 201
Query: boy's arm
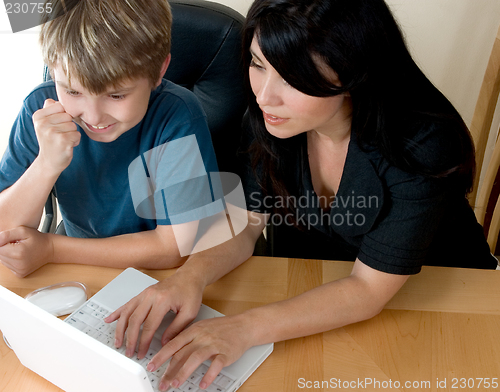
22 203
24 250
153 249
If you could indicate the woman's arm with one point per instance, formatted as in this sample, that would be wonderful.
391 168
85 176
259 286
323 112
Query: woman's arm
182 292
358 297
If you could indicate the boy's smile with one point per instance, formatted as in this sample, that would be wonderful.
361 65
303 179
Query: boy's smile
99 129
104 117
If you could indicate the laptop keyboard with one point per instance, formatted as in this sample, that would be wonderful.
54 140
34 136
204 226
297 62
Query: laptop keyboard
90 320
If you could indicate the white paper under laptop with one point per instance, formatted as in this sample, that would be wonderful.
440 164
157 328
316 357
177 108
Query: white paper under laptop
77 362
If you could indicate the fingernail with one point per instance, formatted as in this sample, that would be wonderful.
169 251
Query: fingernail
175 383
129 352
203 385
150 367
162 386
117 343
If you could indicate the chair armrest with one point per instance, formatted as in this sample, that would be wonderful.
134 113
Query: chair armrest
50 217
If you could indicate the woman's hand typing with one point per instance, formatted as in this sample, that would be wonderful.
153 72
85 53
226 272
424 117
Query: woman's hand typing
178 293
222 340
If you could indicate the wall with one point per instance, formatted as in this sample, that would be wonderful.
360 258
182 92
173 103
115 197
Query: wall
450 39
21 69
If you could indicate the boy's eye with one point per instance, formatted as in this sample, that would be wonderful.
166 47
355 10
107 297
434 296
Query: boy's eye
73 93
117 97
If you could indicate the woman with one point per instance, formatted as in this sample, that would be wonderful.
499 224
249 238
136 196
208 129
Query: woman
403 153
356 152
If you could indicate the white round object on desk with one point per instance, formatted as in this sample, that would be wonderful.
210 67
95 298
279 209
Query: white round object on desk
59 299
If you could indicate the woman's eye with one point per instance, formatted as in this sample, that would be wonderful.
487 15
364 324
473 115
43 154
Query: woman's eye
255 65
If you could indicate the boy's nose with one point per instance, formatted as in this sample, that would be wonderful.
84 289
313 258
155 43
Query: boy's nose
94 115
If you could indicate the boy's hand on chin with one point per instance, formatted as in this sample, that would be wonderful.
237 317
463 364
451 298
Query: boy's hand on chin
57 135
23 250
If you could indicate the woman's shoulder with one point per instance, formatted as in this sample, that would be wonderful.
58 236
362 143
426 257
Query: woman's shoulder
437 144
433 148
367 168
427 145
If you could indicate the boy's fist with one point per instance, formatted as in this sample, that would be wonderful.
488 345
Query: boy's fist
57 135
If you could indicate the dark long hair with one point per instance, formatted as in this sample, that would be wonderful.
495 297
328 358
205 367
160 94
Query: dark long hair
394 103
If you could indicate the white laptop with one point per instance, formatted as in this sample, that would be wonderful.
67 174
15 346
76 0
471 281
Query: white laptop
78 354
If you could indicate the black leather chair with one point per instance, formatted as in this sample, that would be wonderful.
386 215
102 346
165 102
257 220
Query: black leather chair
206 53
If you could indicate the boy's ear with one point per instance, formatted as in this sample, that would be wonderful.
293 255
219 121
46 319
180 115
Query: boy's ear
163 69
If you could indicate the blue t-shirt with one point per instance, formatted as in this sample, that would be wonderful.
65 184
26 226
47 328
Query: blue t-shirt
93 192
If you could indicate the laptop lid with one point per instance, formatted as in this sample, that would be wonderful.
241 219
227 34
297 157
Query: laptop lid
76 362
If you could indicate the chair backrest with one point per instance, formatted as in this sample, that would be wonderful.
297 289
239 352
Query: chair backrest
206 54
485 110
206 58
488 201
486 206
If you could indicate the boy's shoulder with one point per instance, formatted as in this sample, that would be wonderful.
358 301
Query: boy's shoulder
39 94
171 97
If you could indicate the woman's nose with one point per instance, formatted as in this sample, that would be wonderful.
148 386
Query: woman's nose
269 93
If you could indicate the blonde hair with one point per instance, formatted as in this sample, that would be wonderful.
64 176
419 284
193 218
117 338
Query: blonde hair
104 42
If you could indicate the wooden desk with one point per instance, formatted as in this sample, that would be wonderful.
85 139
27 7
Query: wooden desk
442 327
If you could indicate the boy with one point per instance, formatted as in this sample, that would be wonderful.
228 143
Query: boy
107 106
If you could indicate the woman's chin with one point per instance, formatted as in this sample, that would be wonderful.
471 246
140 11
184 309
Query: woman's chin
281 133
